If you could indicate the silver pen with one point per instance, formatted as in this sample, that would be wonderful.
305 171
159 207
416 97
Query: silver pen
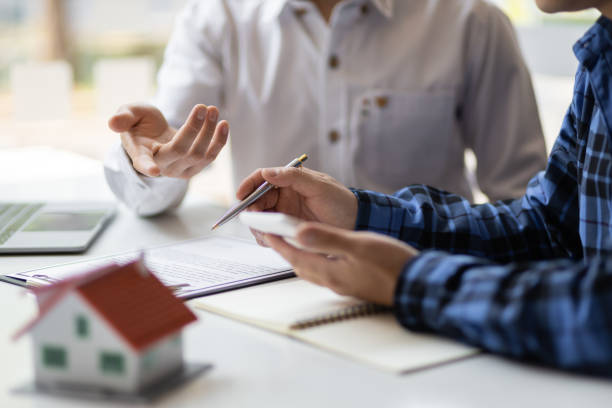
255 195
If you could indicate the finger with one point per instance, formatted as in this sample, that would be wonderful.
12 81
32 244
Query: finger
249 184
328 239
127 117
266 202
218 142
182 141
259 237
305 181
201 142
289 252
305 264
298 178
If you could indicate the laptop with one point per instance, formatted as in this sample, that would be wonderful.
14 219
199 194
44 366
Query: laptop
38 227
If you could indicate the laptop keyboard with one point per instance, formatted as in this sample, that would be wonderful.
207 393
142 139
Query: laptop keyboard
13 216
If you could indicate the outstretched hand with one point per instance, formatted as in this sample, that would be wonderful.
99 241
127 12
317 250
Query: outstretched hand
360 264
156 149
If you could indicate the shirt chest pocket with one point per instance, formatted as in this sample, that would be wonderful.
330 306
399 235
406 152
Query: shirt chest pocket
401 138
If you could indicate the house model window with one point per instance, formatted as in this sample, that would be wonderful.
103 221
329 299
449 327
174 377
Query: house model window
54 357
82 326
111 363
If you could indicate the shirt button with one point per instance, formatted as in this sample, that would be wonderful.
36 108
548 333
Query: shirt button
334 136
299 12
334 61
382 101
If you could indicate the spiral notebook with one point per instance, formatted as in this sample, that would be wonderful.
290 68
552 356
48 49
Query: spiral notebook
359 331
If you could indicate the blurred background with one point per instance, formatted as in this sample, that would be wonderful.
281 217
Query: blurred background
66 65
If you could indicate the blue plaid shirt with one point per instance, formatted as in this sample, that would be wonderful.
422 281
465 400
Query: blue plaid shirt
529 278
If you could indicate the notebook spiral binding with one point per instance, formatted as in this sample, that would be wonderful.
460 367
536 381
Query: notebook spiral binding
363 309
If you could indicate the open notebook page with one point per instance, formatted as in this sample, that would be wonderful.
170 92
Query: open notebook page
277 305
380 341
377 340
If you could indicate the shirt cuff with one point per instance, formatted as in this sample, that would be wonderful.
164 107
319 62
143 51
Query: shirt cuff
146 196
379 212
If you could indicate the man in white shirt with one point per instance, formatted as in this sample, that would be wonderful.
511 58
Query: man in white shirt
379 93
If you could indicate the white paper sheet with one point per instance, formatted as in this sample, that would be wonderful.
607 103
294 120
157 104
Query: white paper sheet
195 268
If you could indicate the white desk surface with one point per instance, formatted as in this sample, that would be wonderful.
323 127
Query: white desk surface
253 367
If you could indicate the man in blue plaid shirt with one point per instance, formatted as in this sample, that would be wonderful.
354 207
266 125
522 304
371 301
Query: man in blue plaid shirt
529 278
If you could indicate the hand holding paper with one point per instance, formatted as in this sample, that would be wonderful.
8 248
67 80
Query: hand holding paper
363 264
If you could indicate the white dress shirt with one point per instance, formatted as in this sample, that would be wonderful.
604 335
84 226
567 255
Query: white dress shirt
389 93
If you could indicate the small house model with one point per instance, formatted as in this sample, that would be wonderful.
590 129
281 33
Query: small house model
116 329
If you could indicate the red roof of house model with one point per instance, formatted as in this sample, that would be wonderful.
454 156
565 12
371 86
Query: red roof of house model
131 300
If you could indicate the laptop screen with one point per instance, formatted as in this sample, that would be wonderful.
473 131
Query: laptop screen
64 221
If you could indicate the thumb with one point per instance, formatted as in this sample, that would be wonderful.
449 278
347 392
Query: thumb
126 117
303 180
327 239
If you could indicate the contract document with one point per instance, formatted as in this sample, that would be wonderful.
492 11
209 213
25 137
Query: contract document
191 268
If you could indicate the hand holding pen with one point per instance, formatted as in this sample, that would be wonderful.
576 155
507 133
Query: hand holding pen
303 193
255 195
